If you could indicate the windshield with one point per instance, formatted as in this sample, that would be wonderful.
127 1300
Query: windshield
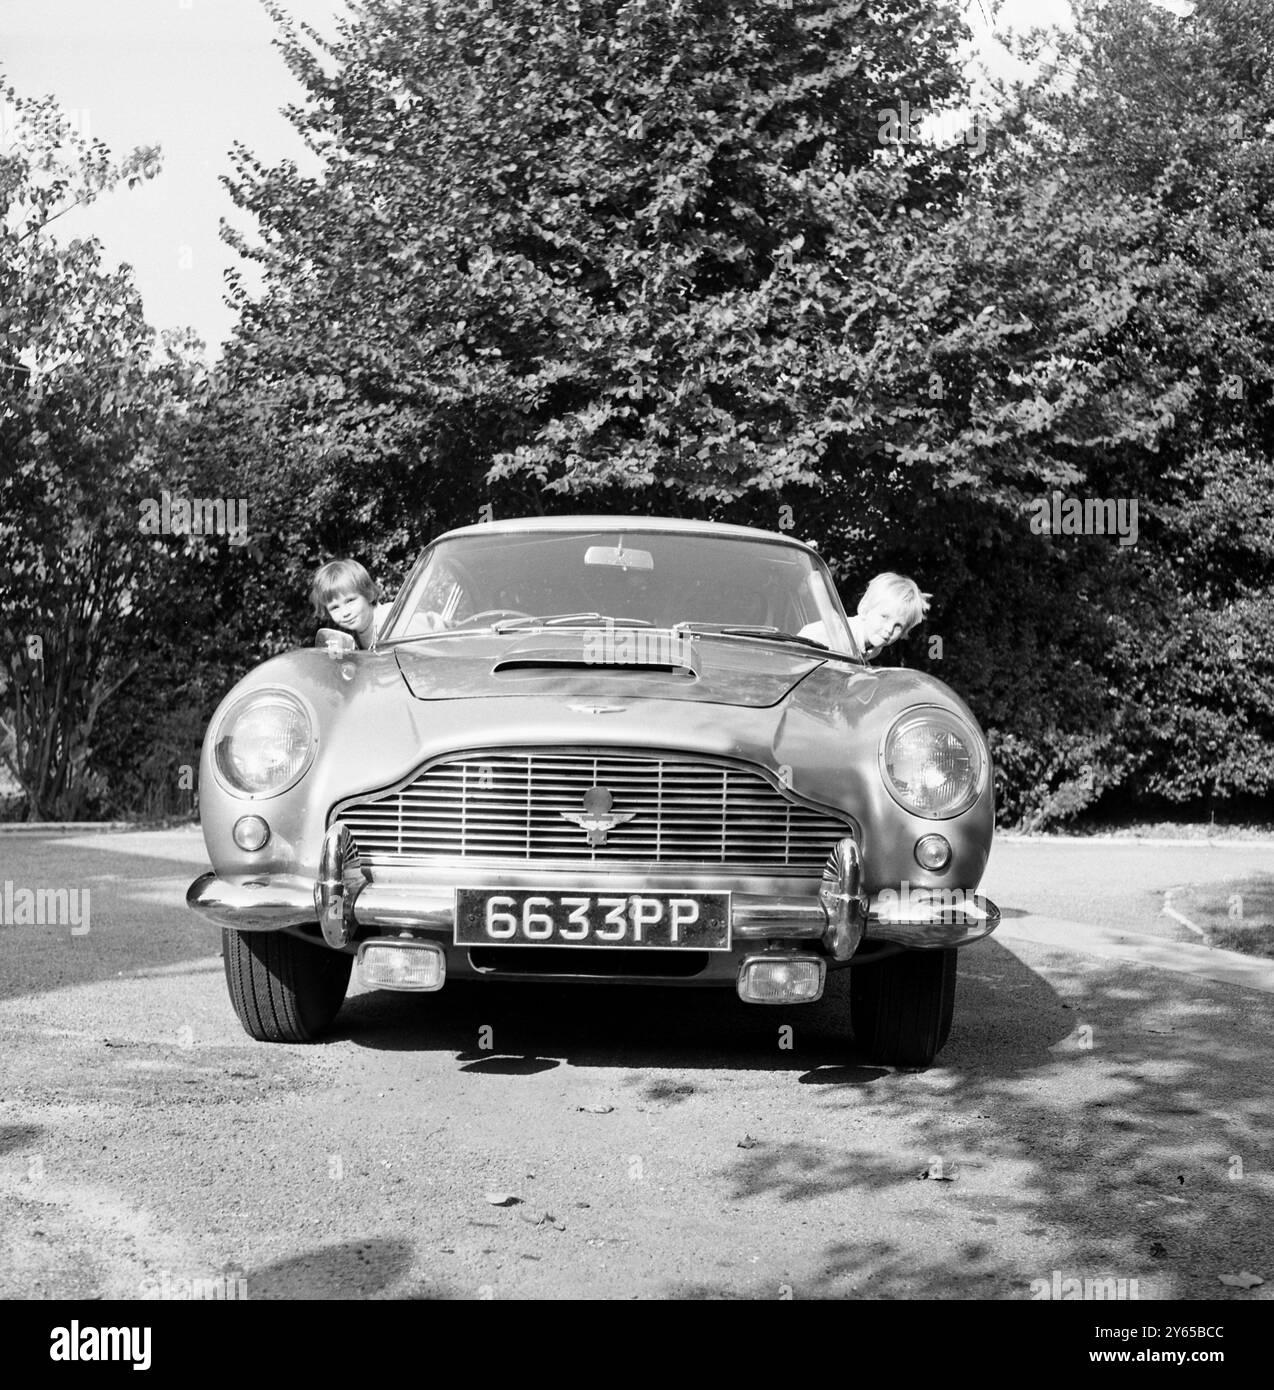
638 577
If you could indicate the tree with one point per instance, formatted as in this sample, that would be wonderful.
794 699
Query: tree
83 415
1100 335
701 257
1172 115
582 247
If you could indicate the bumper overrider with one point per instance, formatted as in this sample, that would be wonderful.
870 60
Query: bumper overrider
400 930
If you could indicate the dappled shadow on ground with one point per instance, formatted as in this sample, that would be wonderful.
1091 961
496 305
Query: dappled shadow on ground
1114 1115
1138 1144
17 1137
1117 1115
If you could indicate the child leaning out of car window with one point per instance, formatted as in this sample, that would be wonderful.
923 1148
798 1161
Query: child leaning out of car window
344 595
890 607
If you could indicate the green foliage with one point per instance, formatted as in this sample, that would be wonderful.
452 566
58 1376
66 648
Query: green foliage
1173 116
575 256
86 423
583 247
685 258
1118 238
149 738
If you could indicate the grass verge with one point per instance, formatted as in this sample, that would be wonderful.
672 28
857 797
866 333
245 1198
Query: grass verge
1237 914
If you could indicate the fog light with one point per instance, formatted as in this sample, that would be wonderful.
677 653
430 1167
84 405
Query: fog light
250 832
402 965
933 852
781 979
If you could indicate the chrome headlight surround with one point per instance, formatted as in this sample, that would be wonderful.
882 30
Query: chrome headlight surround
933 762
276 742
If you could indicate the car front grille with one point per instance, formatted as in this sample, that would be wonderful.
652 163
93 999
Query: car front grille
509 806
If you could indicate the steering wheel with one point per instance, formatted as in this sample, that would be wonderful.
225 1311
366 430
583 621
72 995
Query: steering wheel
492 613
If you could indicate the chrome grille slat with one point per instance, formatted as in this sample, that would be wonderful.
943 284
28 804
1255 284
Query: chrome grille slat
506 806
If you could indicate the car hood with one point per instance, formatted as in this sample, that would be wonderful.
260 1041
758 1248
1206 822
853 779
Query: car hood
373 732
601 665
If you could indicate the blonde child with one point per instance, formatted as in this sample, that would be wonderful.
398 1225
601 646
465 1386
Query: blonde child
891 606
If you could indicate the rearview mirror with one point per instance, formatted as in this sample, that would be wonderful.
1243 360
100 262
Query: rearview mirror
619 557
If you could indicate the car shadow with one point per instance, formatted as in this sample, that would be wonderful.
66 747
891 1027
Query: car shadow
1005 1015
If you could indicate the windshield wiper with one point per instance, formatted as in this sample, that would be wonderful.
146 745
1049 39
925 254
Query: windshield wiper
567 620
773 634
759 631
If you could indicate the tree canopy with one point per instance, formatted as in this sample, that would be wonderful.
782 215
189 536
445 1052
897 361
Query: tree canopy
84 411
591 247
709 257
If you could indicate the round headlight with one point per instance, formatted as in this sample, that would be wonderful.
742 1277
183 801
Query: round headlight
933 763
264 744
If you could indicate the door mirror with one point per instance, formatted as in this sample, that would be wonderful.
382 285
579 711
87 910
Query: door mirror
338 643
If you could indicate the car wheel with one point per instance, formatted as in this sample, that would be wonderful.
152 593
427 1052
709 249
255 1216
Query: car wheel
901 1009
283 989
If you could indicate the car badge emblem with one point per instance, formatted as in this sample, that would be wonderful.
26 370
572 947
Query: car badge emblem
597 820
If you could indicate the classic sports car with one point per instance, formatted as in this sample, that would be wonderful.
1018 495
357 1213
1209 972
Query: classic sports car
599 749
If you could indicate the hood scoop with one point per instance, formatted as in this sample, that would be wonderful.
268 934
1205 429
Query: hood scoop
623 652
596 668
612 664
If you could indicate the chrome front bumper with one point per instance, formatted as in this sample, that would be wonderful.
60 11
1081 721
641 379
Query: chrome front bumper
344 904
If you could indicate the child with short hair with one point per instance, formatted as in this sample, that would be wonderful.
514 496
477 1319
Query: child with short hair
891 606
343 593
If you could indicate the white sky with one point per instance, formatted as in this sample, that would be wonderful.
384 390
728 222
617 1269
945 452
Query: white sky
194 76
190 75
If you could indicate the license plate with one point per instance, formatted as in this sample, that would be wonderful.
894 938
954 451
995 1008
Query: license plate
664 921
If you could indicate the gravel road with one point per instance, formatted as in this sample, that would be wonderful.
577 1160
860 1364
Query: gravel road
1090 1117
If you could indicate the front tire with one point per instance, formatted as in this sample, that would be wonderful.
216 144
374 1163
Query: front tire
901 1009
282 988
